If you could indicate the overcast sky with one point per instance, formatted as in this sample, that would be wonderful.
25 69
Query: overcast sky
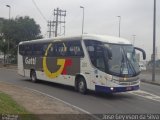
100 17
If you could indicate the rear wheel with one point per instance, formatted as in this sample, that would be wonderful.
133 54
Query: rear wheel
33 76
82 87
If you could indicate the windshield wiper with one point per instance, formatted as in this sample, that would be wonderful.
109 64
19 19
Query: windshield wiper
129 64
122 65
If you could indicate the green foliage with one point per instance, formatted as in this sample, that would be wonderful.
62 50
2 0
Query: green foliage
20 29
9 107
17 30
3 46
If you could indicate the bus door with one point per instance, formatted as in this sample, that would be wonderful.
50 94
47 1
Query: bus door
100 66
97 59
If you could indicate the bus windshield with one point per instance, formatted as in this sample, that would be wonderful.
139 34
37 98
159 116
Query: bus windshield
123 61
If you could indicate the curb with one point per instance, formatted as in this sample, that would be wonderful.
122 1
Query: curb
94 117
8 67
150 82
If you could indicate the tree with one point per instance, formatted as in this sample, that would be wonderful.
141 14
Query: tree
21 29
3 48
16 30
3 44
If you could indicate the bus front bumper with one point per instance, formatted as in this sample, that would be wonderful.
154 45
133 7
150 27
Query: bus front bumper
106 89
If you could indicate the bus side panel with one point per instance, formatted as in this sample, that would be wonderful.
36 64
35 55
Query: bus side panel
59 70
62 79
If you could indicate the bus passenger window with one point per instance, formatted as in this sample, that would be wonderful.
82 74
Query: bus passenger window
96 54
91 52
44 47
100 62
75 49
28 50
50 51
59 49
38 49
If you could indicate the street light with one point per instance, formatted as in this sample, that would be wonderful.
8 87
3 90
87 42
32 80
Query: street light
9 20
82 19
154 41
9 11
119 17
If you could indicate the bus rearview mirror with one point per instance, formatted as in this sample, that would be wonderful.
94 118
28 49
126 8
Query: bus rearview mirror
141 50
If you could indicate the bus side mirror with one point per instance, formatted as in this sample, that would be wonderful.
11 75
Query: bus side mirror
143 52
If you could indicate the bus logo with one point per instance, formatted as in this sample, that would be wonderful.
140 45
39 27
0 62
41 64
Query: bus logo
30 61
63 63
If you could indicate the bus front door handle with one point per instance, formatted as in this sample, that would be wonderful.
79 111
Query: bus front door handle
87 73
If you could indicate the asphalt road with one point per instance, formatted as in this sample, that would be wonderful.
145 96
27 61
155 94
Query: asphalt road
147 100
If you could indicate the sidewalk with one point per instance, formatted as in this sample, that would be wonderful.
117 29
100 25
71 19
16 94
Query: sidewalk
8 66
147 77
43 106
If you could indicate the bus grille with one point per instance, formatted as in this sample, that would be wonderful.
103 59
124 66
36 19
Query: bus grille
128 83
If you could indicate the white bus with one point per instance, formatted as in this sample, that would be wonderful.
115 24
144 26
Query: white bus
88 62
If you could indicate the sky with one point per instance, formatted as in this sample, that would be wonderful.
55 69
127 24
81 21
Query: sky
100 17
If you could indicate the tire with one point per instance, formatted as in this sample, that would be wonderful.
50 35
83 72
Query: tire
81 86
33 76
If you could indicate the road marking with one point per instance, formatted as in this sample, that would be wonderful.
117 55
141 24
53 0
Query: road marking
146 95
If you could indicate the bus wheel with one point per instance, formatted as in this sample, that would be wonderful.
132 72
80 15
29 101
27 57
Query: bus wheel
33 76
82 88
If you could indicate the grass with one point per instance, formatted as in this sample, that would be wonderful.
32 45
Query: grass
9 107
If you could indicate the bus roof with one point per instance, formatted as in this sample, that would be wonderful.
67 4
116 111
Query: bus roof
102 38
107 39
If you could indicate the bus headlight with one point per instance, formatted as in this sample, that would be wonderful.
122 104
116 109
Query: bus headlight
112 88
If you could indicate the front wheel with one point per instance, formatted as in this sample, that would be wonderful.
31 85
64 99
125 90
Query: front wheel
33 76
82 88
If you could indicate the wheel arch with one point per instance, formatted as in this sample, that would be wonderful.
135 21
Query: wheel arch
31 70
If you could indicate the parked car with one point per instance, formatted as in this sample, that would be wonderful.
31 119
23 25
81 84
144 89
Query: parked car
142 67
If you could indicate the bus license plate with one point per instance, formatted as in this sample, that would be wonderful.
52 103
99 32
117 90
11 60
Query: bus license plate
129 88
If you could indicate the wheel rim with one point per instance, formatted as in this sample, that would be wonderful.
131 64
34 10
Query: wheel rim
33 77
81 86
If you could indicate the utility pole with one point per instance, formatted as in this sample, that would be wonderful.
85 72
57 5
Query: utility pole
55 27
58 14
49 26
50 31
134 38
154 42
